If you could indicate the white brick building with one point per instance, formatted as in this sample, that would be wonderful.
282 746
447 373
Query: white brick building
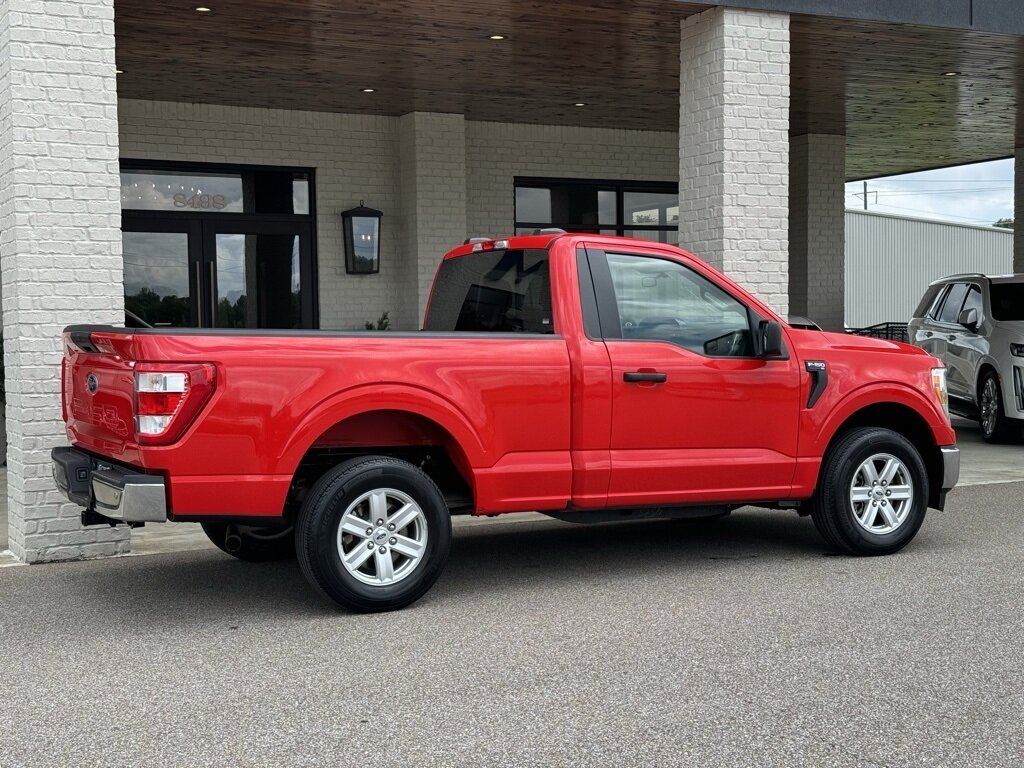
729 129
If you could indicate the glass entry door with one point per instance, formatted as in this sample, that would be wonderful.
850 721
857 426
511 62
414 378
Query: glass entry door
256 274
218 274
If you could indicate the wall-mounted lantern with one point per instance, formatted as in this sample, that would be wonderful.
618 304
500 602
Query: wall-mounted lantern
362 240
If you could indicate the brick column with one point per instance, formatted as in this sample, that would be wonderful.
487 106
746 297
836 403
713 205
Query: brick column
734 146
1018 211
817 229
60 243
432 182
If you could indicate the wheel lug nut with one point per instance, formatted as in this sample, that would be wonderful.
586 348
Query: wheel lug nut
369 545
369 531
392 541
391 526
888 493
382 550
380 522
884 483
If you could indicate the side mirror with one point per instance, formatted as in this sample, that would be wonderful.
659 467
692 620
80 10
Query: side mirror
969 319
771 339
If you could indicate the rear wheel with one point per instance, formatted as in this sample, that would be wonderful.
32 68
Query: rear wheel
873 493
373 534
254 543
995 427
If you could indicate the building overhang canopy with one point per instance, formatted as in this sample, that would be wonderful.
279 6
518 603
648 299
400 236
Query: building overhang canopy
907 97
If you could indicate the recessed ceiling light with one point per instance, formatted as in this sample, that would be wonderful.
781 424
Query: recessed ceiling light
580 104
496 37
369 90
202 9
950 74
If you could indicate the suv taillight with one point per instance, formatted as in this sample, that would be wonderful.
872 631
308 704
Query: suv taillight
168 397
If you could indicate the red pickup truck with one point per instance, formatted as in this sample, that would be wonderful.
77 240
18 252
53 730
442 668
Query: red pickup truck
586 377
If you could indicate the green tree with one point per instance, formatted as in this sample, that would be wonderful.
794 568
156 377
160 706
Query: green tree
1004 223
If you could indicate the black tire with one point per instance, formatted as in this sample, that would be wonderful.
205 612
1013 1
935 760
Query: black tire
317 533
832 510
998 429
256 544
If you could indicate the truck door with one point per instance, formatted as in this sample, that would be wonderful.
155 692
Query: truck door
696 417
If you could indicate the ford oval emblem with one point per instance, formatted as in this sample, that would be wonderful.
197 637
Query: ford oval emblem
92 383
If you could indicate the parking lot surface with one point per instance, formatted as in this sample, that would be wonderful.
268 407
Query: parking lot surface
740 641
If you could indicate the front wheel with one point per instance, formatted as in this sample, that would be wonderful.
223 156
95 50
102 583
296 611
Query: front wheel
995 427
873 493
373 534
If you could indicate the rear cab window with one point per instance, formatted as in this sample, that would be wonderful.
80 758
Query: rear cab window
500 291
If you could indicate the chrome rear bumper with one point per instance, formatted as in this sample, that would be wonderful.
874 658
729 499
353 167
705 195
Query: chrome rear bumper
114 492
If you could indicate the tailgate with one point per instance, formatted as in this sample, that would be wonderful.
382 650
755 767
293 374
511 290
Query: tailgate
98 390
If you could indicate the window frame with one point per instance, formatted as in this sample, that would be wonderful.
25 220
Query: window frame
620 189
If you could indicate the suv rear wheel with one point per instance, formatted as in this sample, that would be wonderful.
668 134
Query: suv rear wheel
873 493
995 427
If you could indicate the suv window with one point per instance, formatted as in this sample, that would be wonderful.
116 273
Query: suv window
1007 301
973 301
950 311
492 291
662 300
928 301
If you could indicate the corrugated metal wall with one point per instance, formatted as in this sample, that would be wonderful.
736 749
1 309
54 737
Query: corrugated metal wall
891 259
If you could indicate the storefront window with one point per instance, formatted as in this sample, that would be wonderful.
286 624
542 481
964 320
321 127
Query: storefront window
649 210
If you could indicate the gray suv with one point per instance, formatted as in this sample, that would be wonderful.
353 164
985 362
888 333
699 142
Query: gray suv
975 325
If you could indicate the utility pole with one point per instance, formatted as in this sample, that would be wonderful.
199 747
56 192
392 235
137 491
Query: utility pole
865 195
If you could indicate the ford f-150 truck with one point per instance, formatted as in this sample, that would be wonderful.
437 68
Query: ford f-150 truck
587 377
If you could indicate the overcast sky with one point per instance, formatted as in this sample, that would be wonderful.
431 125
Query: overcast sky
972 194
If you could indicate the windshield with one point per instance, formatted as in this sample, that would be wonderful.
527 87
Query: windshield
1008 301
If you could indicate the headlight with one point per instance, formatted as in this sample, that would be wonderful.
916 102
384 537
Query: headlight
1017 350
939 387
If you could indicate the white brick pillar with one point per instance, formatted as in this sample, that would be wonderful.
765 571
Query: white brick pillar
1018 211
817 229
432 181
60 243
734 146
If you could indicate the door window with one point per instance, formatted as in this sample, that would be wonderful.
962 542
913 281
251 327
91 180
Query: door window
663 300
950 311
973 301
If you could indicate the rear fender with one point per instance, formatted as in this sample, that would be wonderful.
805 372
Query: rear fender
384 397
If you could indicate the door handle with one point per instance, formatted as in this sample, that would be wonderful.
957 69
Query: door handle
213 294
653 376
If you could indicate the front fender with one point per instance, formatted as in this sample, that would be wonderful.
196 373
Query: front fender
873 394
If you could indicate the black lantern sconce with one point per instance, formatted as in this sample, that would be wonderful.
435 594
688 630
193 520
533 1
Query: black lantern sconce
362 240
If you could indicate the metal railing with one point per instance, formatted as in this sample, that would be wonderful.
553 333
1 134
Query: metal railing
887 331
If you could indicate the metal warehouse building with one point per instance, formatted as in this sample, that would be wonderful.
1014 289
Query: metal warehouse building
190 162
890 260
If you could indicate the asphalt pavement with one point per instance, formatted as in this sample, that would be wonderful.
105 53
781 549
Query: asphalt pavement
740 641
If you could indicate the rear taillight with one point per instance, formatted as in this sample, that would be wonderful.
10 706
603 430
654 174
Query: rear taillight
168 397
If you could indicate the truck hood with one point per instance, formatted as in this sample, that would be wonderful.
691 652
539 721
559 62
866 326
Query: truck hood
815 342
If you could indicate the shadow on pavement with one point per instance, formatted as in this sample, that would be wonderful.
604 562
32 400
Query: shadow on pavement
204 587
